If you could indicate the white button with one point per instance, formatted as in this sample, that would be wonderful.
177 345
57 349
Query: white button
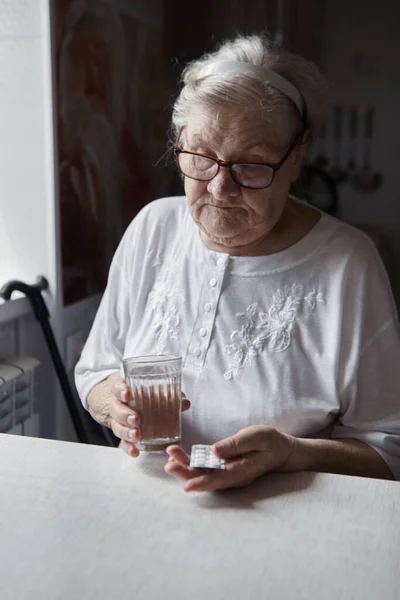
213 282
207 307
221 261
197 352
203 332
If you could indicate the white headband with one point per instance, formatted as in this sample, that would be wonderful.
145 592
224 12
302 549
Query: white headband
276 80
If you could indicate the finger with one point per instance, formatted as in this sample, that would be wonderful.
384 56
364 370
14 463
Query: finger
177 469
125 433
124 415
207 482
211 481
178 455
246 440
238 472
204 480
185 404
180 471
130 449
121 391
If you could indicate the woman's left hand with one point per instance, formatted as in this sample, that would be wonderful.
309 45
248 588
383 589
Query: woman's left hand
249 453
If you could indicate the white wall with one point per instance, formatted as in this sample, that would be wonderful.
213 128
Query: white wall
28 212
362 63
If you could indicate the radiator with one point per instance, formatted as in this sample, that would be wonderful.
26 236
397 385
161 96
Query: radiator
17 395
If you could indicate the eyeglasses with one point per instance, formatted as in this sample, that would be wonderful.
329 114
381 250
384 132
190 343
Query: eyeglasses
254 176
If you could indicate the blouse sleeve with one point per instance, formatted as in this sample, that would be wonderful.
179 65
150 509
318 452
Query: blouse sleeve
371 401
103 351
154 227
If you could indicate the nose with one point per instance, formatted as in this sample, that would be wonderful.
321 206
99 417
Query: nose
222 185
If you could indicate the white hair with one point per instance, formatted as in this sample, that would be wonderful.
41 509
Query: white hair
249 91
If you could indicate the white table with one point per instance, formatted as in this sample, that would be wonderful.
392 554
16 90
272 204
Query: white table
84 522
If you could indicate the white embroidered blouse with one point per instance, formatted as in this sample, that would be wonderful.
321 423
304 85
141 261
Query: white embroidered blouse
305 340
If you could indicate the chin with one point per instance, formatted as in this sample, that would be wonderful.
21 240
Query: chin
222 236
221 231
223 224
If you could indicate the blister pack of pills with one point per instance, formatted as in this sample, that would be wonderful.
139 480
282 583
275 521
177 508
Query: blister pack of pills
201 457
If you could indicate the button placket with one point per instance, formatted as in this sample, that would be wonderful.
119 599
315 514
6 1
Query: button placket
207 307
221 262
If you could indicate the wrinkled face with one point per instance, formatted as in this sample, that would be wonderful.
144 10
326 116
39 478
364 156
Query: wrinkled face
229 216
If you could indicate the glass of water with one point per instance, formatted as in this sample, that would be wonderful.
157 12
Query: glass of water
155 385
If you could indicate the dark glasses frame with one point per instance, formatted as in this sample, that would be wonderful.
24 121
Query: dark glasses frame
229 164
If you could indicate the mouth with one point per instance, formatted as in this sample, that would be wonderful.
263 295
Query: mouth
222 207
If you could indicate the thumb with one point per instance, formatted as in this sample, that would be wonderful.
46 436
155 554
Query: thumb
246 440
121 391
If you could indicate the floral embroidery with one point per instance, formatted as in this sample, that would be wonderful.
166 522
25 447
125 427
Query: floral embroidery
273 327
164 302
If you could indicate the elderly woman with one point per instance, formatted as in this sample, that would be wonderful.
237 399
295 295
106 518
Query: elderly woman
283 315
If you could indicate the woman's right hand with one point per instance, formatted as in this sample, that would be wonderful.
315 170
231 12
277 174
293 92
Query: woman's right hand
123 420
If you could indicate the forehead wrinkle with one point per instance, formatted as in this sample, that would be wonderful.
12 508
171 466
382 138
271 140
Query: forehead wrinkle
240 132
222 123
217 135
214 140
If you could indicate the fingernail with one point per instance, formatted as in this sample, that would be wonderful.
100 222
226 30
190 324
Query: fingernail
133 434
132 421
